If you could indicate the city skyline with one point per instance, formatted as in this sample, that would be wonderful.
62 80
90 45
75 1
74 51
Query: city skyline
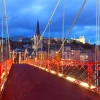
22 18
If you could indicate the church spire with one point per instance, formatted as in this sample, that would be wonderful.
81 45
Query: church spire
37 29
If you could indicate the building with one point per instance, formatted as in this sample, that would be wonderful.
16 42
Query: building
4 51
75 54
17 38
41 55
83 56
26 40
80 39
36 39
53 53
91 56
67 53
97 59
2 39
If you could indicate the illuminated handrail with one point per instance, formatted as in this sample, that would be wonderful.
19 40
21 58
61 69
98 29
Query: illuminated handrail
5 67
81 73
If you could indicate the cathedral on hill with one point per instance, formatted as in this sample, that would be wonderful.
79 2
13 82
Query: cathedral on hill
80 39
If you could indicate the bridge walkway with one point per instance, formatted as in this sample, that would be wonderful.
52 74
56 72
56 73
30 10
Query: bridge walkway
26 82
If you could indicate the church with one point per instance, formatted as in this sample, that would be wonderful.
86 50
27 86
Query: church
37 44
80 39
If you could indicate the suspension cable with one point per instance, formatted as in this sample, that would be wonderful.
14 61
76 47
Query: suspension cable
48 44
97 29
72 25
63 22
49 40
63 27
2 33
41 50
97 22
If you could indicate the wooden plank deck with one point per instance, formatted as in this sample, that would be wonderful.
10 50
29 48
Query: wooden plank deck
26 82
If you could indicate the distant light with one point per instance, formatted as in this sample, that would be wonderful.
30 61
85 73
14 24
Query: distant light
35 59
56 52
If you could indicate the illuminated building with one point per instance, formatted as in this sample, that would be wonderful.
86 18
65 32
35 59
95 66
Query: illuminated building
83 56
36 38
41 55
91 55
75 54
80 39
53 53
67 53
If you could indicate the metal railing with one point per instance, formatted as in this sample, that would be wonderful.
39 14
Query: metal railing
86 74
5 67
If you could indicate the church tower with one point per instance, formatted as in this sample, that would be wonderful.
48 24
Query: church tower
37 37
37 29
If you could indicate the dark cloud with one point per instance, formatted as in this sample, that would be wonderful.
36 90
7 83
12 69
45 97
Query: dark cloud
23 15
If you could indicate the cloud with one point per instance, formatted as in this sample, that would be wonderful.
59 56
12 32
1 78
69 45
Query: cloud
89 32
23 15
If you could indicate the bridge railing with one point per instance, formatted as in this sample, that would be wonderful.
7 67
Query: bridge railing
5 67
86 74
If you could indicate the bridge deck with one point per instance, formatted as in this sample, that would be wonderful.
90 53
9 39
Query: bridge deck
29 83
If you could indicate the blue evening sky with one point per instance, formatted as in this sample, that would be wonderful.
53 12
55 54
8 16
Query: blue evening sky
23 16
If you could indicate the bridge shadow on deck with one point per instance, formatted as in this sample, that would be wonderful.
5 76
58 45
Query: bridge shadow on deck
26 82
